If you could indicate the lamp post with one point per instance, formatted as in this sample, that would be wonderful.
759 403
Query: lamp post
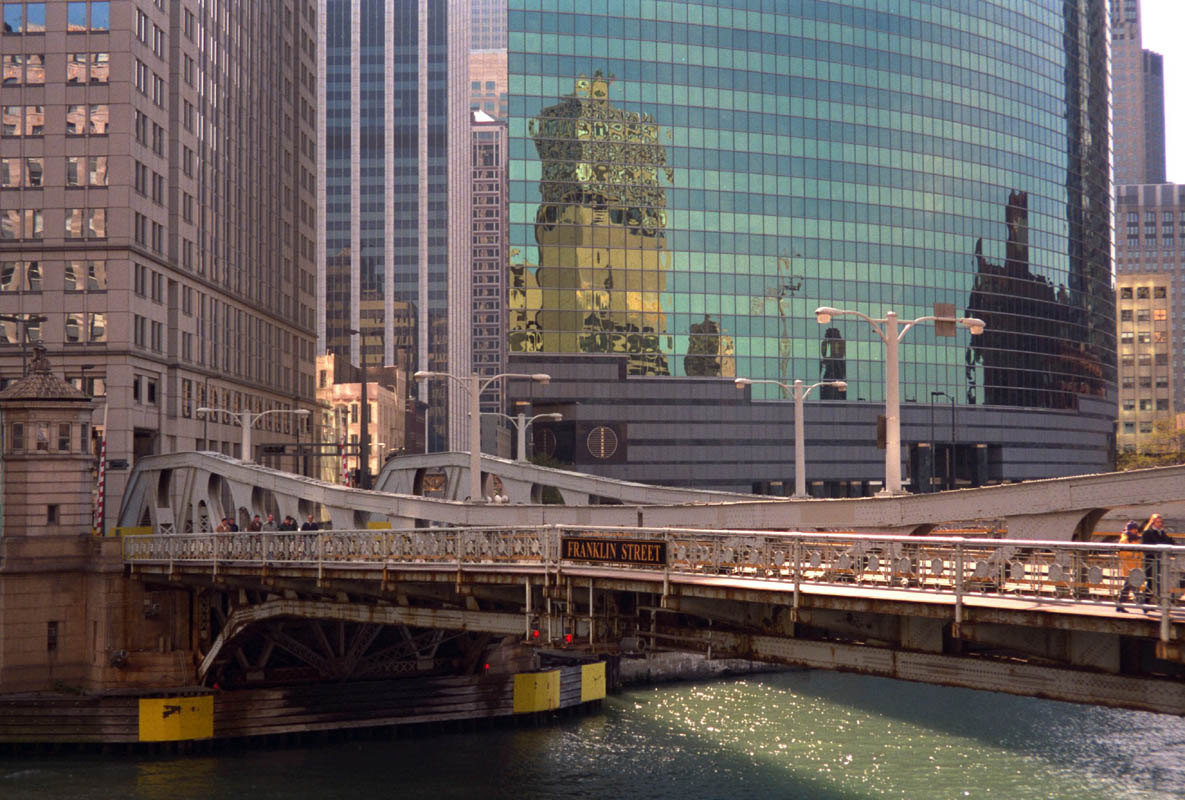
476 386
247 420
23 320
800 391
521 423
892 331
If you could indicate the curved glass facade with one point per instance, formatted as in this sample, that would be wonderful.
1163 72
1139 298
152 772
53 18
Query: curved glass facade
689 181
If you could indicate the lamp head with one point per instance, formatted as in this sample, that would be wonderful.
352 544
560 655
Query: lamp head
421 375
741 383
204 410
541 377
555 416
303 412
841 385
823 314
976 326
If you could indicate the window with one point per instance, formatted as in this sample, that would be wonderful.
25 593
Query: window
24 17
74 327
97 327
1125 293
51 636
1159 292
139 330
18 437
1125 315
63 436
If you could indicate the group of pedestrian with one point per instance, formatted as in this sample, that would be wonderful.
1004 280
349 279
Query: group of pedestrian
1146 590
228 525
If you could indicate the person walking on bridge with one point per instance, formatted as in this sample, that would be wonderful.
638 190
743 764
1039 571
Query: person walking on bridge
1154 533
1129 561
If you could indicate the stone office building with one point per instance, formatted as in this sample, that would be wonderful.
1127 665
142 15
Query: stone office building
157 212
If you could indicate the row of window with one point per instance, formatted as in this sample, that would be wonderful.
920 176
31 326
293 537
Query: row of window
45 437
81 16
1144 315
1161 404
1142 292
79 328
81 120
28 69
30 172
77 276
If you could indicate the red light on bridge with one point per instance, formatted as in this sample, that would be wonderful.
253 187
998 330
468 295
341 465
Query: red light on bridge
487 667
535 633
567 638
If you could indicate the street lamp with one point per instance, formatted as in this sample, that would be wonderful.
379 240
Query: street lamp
800 391
248 419
892 331
476 386
521 423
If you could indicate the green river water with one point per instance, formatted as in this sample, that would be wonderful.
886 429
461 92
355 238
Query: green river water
784 735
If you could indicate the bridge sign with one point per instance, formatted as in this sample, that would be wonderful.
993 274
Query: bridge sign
638 552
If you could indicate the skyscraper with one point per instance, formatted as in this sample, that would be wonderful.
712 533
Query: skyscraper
1138 79
689 181
156 212
394 236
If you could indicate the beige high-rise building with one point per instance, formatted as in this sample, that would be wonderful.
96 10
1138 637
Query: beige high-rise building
1150 275
157 178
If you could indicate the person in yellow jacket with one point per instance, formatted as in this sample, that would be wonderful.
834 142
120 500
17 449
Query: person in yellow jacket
1128 561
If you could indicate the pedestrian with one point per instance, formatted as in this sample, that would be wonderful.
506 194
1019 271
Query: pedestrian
270 525
289 523
1153 533
310 525
223 527
234 526
1129 561
256 524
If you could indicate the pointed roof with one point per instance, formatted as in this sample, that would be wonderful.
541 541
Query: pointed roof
40 383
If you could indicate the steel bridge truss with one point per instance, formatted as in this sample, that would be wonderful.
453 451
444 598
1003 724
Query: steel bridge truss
1027 617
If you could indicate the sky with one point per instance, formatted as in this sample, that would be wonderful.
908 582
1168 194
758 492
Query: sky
1164 32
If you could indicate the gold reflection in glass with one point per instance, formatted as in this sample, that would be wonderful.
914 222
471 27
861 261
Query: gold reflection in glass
601 231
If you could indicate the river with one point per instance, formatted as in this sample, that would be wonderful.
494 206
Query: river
817 735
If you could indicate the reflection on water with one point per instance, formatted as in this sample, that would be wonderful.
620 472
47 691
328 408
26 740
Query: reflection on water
793 735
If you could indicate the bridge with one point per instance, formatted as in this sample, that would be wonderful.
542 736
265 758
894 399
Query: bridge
1033 618
399 581
190 492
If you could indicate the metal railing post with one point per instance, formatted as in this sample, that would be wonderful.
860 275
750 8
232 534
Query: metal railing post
958 587
1166 594
796 566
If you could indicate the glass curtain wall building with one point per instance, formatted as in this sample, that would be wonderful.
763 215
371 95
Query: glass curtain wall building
395 192
688 181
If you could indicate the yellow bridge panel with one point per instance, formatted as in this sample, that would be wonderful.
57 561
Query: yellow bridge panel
379 525
592 682
174 719
536 691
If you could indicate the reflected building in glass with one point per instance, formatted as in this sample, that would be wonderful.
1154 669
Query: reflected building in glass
689 181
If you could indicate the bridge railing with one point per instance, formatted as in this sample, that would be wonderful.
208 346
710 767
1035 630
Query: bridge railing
1062 571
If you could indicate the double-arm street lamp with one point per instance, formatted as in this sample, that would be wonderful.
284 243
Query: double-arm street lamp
799 392
247 420
521 423
475 385
892 331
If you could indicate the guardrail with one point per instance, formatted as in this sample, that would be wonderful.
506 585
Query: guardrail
1046 571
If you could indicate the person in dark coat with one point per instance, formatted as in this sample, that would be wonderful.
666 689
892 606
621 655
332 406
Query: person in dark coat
1153 533
310 525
